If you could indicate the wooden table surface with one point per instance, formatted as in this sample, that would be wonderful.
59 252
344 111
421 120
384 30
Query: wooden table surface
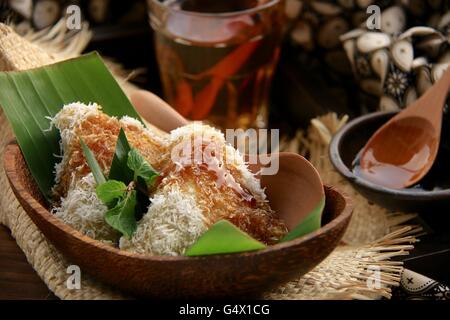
18 280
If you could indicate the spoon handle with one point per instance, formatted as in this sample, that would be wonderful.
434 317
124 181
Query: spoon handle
156 111
432 102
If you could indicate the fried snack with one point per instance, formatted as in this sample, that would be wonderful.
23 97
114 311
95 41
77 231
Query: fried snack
99 131
76 202
202 181
196 192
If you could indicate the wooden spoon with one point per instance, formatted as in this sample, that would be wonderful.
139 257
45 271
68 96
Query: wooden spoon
156 111
404 149
294 192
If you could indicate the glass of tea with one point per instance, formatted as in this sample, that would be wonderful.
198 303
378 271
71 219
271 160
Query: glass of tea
217 57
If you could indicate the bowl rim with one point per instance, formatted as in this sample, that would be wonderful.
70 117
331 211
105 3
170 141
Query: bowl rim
343 169
12 151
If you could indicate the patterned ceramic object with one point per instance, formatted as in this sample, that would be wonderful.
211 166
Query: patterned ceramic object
394 64
401 69
414 286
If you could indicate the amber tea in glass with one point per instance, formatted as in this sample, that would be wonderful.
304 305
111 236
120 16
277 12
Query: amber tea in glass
217 57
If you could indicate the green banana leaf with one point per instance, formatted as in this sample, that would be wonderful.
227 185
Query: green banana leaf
221 238
28 98
311 223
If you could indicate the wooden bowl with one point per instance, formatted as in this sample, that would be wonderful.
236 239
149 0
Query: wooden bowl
237 275
351 139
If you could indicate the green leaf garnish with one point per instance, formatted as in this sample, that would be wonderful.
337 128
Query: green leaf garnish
141 168
122 216
119 169
223 237
126 204
121 202
93 164
110 191
311 223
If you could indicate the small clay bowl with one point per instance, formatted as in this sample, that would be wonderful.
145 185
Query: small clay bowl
242 275
346 145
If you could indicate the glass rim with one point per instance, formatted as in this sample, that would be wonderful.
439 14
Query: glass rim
257 8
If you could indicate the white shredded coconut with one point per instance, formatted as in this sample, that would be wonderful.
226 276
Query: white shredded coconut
129 121
232 156
83 211
172 224
126 120
199 129
249 179
70 116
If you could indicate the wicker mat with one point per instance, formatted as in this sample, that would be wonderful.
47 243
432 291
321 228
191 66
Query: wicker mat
358 269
